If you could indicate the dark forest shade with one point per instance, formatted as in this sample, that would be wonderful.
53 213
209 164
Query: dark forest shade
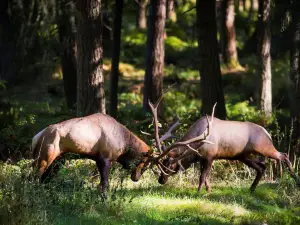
211 81
155 53
295 75
228 36
114 77
67 35
90 79
264 56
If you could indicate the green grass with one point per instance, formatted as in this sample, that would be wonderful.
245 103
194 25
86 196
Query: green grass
72 197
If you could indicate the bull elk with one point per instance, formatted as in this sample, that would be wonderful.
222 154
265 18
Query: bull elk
209 139
98 137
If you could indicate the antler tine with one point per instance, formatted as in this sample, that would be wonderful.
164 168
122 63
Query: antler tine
213 112
155 124
202 137
155 119
169 132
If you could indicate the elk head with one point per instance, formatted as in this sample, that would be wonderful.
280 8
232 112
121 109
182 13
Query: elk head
150 158
176 159
171 159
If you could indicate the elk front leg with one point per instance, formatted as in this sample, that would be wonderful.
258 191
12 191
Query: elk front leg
260 169
205 169
103 167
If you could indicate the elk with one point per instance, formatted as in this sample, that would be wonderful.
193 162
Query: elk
97 136
209 139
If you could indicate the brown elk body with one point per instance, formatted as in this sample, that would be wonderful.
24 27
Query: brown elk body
231 140
98 137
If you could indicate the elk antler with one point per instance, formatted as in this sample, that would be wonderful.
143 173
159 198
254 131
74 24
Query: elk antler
155 119
202 138
169 132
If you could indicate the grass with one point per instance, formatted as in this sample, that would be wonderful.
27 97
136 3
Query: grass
72 197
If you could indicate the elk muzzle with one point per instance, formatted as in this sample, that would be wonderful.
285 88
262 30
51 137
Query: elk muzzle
137 172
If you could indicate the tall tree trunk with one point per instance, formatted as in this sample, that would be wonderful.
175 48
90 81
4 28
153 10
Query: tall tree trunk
264 56
141 16
114 78
295 76
210 74
155 53
228 36
90 79
7 43
171 14
67 33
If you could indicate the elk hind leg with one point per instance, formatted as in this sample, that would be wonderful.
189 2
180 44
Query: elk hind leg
279 156
260 170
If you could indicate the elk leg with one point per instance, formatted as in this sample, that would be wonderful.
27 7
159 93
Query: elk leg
46 160
207 185
205 169
259 171
103 167
278 156
53 169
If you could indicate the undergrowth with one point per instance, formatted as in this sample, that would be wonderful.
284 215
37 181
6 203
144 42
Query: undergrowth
72 197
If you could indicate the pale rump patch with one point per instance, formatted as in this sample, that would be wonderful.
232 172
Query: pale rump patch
266 132
36 138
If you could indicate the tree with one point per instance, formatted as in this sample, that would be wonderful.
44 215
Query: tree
67 34
141 21
90 79
171 14
211 81
228 36
114 79
264 56
155 53
295 73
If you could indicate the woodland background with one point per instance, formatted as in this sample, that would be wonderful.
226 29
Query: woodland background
61 59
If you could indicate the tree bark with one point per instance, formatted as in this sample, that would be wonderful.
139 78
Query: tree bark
67 34
114 79
90 79
210 74
155 54
171 14
295 77
228 36
141 16
264 56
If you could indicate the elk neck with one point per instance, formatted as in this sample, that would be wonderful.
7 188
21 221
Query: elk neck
136 144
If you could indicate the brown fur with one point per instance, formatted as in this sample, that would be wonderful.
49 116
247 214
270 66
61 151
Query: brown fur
97 136
232 140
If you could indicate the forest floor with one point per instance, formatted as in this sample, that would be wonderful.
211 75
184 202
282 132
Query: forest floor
72 197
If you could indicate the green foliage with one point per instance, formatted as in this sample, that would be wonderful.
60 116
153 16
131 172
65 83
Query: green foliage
180 104
243 112
175 43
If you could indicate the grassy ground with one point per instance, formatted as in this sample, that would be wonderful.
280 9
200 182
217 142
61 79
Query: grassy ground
73 198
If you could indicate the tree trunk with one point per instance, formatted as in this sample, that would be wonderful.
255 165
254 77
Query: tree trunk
155 53
90 79
264 56
141 16
171 14
114 79
295 77
211 81
67 33
228 36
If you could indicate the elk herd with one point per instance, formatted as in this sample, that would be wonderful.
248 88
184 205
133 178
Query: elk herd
101 138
